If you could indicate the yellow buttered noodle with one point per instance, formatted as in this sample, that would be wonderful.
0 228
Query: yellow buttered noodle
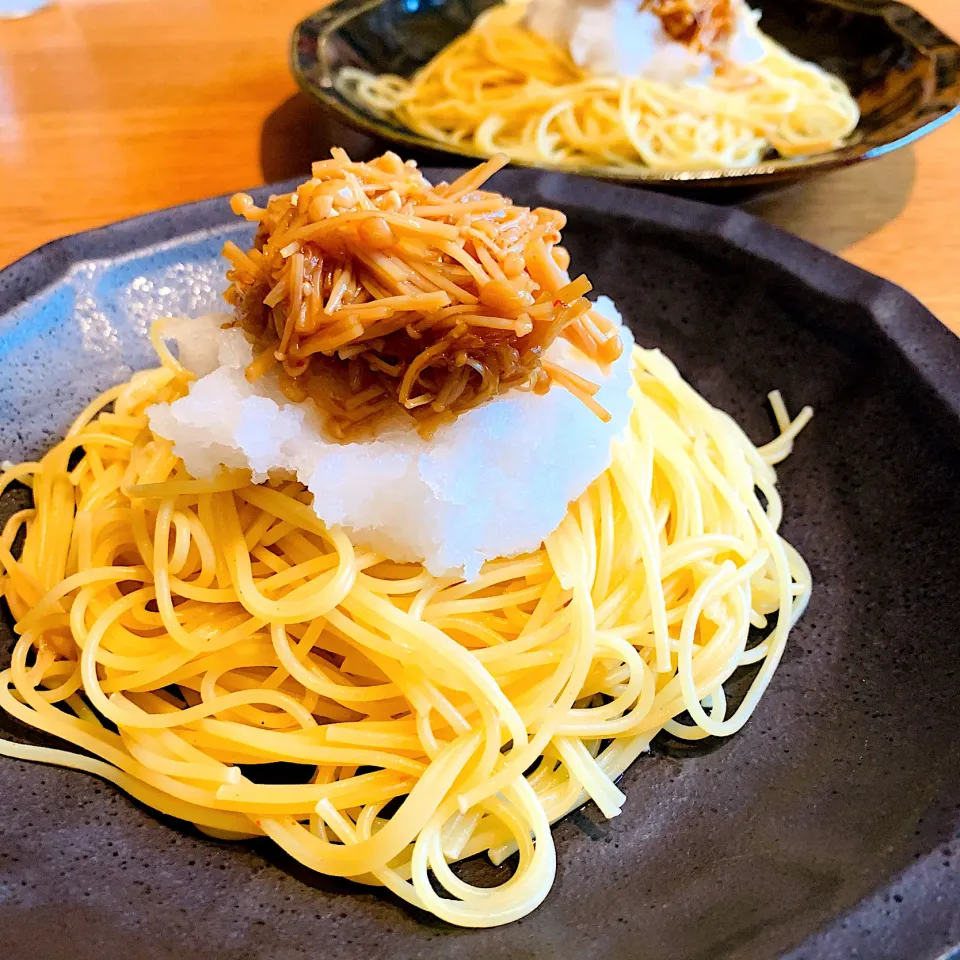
217 626
501 88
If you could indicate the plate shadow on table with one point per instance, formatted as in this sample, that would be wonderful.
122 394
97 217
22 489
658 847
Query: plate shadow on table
837 209
300 131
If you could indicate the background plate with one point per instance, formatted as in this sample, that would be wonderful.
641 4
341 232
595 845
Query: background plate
845 784
903 71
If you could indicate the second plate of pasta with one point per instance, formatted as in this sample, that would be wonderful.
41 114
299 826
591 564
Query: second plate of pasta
679 91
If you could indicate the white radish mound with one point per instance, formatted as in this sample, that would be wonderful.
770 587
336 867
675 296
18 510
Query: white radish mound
494 483
620 38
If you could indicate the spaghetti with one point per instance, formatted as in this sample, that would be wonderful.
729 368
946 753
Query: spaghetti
183 633
501 88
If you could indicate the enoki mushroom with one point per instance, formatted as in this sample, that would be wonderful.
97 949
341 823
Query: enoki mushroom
374 291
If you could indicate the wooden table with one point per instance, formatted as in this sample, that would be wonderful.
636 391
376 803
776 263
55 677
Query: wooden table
109 108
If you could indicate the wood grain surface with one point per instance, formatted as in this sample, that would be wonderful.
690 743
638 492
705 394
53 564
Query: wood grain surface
110 108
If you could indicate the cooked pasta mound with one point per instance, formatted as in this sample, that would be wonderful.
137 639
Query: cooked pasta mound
183 634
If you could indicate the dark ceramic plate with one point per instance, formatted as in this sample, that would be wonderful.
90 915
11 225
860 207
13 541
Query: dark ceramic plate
904 72
830 822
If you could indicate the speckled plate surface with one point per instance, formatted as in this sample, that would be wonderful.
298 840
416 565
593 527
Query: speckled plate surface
826 829
904 72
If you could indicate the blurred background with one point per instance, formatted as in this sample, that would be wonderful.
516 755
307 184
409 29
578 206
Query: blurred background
111 108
